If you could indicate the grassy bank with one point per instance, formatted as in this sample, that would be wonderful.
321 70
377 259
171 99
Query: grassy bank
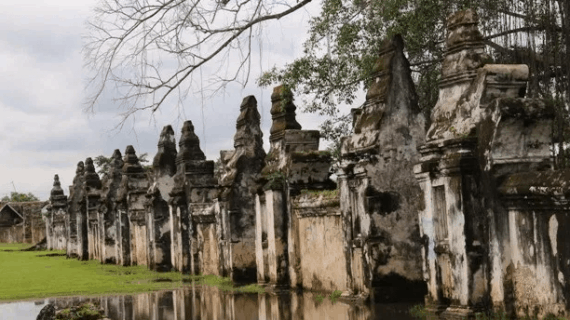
38 274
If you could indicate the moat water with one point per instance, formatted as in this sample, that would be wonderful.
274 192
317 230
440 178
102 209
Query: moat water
207 303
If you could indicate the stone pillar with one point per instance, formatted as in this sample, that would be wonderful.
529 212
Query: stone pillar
93 195
109 222
293 163
239 181
57 218
135 185
479 134
159 224
188 162
76 207
380 197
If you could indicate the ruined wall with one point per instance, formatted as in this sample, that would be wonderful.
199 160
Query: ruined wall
134 186
92 191
75 213
293 164
108 215
241 169
27 226
535 266
321 241
56 229
159 224
380 197
192 207
488 151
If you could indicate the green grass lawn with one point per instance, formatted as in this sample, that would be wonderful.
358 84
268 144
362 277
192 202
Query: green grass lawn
25 275
33 275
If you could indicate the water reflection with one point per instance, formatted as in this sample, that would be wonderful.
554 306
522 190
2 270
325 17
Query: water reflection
209 303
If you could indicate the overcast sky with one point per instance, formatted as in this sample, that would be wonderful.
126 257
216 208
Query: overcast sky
43 129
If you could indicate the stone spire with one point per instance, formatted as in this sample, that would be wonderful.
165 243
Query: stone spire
248 143
131 161
164 162
282 112
57 198
189 145
465 49
79 172
91 177
116 163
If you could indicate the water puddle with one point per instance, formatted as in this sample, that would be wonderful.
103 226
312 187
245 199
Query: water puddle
209 303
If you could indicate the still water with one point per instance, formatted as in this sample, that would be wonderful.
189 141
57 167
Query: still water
209 303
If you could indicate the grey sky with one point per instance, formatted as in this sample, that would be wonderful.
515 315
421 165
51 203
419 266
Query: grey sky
43 129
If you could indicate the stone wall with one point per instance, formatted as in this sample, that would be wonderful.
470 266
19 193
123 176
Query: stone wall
380 197
469 207
493 204
22 222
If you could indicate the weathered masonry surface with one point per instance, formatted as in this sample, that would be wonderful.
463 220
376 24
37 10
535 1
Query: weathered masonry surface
22 222
463 208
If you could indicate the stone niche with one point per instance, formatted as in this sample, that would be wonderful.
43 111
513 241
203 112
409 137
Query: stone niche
379 195
109 222
131 202
92 191
294 165
195 231
240 173
56 232
159 224
491 220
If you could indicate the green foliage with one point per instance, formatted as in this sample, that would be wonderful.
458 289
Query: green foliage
319 298
275 180
20 197
86 311
103 163
225 284
419 311
344 40
335 295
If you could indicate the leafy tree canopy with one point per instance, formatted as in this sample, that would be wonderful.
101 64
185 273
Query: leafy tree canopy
103 163
20 197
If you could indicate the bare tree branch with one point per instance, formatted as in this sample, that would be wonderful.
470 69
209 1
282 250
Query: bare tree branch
150 48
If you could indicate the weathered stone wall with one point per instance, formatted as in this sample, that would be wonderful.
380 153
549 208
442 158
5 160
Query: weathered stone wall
493 205
321 241
380 197
134 186
27 226
159 224
293 164
241 169
108 214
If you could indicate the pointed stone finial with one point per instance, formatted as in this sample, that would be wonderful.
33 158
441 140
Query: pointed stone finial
91 177
282 112
80 168
465 51
79 173
56 190
165 160
189 145
131 162
247 124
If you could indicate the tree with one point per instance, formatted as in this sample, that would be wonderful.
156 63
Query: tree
129 40
20 197
103 163
339 53
343 46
